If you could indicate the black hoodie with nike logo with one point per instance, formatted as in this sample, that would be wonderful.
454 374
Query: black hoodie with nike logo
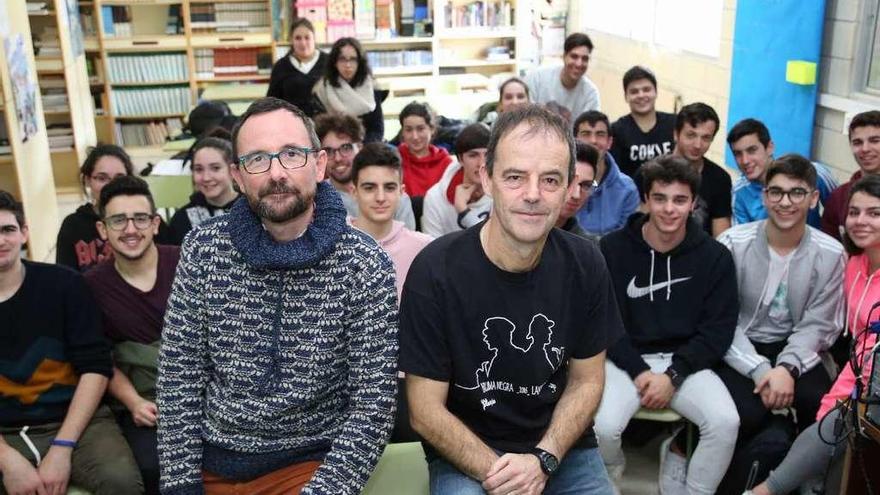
683 301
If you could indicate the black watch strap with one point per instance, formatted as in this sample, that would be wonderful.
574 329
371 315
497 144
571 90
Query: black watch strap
793 370
674 377
549 462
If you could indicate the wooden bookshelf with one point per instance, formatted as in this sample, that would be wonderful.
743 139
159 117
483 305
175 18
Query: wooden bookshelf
26 171
65 88
190 29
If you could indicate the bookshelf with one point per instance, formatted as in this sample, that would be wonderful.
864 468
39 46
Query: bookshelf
25 167
156 58
64 87
469 36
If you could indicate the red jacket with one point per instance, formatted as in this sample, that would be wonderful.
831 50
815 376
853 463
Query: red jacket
419 174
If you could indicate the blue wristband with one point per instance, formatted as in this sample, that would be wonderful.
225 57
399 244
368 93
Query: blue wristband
64 443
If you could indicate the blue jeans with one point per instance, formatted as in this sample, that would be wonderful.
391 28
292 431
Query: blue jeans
581 472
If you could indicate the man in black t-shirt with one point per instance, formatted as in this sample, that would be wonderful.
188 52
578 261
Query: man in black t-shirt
503 330
644 133
695 128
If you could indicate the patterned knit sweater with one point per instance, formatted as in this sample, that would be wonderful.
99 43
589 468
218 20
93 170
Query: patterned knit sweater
277 353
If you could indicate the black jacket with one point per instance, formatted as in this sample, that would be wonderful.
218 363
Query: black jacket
192 214
683 302
288 83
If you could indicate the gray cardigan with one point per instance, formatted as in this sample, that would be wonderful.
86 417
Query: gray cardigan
815 298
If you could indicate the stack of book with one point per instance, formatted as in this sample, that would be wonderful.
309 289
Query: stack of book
117 20
156 67
60 137
229 17
136 102
37 8
147 134
55 100
399 58
47 44
219 62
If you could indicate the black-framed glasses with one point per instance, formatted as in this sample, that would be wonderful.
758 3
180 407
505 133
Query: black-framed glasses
142 221
795 194
289 158
344 150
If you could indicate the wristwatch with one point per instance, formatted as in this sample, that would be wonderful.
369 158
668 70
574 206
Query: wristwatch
549 462
793 370
674 377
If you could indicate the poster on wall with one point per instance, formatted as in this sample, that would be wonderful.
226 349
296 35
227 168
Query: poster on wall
24 90
75 28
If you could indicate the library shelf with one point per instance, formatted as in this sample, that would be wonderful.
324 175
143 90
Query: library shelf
399 71
6 158
232 40
478 63
151 83
146 43
123 3
221 79
475 34
403 40
157 116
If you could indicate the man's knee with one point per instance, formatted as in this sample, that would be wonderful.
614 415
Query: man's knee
115 476
722 425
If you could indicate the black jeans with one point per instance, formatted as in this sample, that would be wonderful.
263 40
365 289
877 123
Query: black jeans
808 391
143 443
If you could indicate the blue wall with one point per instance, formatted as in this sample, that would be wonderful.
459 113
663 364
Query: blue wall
767 34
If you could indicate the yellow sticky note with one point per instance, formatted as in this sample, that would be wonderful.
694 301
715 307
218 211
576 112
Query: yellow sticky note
800 72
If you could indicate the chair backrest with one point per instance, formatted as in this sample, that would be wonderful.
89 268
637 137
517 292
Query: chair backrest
402 470
169 192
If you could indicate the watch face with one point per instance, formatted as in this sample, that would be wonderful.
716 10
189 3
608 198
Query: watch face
550 462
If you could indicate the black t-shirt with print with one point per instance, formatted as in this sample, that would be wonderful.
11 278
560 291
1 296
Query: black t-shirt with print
632 147
714 197
502 340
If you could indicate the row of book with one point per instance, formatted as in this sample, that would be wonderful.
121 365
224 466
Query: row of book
399 58
142 68
479 14
229 17
219 62
167 100
147 134
54 100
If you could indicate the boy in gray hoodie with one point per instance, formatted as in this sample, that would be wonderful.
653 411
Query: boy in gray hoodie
790 280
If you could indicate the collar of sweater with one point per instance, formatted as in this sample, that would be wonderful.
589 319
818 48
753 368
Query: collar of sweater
261 251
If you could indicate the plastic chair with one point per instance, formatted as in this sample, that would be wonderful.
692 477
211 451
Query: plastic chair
670 416
402 470
169 192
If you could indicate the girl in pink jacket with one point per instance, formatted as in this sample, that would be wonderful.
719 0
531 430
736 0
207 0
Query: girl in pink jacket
810 456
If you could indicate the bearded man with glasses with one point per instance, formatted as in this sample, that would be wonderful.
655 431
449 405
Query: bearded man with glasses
790 285
277 371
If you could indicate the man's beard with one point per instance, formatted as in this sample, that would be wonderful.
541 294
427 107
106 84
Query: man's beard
286 212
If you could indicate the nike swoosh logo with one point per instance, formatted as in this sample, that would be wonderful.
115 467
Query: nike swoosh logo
636 292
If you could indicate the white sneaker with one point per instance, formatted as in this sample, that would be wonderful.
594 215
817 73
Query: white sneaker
673 470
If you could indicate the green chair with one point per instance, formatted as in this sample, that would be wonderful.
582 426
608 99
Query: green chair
402 470
169 192
72 490
670 416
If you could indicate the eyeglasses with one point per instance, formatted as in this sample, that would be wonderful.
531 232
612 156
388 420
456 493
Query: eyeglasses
119 222
795 195
289 158
344 150
104 178
347 60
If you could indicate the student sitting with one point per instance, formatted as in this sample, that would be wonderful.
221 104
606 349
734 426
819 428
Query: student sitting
810 456
582 186
132 292
676 289
54 367
616 197
79 246
752 148
511 94
341 138
294 75
377 190
211 164
457 201
423 163
347 87
790 279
